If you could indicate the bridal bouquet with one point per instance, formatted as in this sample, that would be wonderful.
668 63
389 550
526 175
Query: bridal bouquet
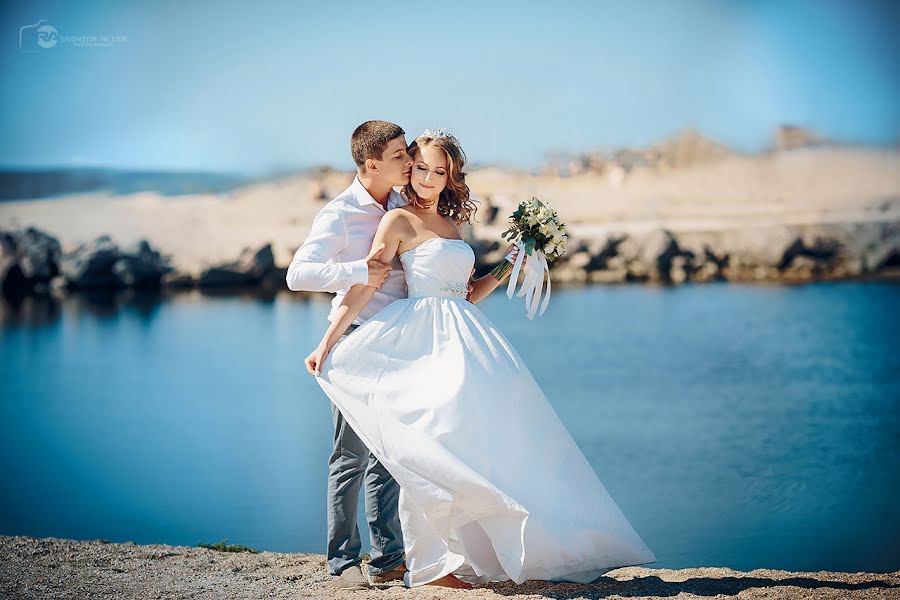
537 231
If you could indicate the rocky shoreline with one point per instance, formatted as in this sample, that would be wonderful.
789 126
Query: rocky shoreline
806 214
32 261
38 568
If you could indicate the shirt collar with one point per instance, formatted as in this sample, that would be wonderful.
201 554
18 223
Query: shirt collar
364 197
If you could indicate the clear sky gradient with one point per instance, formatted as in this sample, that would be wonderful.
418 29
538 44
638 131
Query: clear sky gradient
256 86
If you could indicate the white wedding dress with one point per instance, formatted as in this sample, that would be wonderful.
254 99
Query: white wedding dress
493 487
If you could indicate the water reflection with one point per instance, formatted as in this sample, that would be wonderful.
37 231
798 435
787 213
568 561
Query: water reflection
29 311
45 309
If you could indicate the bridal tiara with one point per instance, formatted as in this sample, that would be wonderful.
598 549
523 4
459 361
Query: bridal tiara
440 132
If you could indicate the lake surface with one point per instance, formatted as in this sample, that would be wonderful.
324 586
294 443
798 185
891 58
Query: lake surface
735 425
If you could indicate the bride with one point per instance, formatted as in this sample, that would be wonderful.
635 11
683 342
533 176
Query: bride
493 487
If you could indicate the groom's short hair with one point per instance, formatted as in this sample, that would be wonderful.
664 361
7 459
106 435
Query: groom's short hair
370 139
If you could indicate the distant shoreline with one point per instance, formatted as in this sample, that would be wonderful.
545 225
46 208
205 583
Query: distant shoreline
40 568
809 214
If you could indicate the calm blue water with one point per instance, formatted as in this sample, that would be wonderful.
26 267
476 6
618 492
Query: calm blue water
741 426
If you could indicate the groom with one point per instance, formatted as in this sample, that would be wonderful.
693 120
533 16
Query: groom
334 258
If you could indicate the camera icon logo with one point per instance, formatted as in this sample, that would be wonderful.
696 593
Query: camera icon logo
39 35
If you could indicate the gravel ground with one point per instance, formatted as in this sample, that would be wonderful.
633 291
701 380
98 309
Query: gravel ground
55 568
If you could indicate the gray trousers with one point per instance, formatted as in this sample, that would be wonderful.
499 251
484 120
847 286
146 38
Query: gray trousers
351 465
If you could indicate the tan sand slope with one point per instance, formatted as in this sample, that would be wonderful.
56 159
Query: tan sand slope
55 568
751 207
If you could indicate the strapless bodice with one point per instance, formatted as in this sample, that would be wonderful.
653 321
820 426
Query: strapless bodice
438 267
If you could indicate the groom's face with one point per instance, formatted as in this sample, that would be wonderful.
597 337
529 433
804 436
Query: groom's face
396 163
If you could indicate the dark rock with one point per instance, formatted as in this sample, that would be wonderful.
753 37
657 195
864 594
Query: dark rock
262 262
225 277
719 261
143 268
666 260
250 269
600 261
713 267
822 250
40 254
178 280
91 265
491 215
10 281
29 260
891 261
101 264
15 284
274 279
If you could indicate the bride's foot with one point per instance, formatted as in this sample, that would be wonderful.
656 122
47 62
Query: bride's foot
451 582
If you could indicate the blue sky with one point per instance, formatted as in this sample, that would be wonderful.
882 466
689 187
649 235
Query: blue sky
255 86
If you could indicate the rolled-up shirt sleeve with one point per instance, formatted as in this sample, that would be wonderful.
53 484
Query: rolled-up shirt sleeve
359 271
316 267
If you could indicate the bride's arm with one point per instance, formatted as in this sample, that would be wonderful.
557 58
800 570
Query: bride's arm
351 305
483 286
384 248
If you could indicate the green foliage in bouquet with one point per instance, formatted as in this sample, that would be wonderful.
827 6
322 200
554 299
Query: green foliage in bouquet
536 226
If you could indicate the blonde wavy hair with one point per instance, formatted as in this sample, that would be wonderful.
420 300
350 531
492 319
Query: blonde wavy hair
454 200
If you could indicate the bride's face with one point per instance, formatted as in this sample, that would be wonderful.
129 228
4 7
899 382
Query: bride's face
429 172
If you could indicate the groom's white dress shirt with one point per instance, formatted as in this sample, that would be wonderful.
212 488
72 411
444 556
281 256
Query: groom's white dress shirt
332 259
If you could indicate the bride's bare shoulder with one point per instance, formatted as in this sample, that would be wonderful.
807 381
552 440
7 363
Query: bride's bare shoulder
408 210
399 220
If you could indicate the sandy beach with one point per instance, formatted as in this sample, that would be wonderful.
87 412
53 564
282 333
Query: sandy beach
61 569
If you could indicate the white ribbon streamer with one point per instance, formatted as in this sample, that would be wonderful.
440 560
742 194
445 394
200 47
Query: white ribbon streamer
533 283
517 266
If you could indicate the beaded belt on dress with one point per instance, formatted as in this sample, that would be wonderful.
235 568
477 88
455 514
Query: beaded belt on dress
455 290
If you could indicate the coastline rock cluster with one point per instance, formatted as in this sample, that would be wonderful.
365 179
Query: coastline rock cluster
32 261
783 254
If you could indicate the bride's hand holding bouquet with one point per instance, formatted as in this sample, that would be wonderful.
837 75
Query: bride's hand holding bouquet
537 232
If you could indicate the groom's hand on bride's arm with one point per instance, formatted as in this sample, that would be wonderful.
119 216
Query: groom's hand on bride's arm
378 271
